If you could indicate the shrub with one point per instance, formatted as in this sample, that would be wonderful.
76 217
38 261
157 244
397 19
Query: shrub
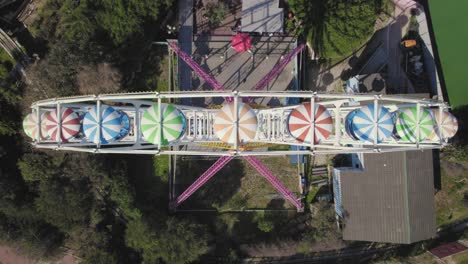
334 28
215 13
456 153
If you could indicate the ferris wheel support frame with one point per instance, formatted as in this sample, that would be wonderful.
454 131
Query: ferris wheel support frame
332 146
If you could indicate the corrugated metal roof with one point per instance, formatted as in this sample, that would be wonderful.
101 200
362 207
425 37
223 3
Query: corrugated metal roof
391 199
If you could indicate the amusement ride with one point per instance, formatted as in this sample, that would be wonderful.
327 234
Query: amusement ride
150 123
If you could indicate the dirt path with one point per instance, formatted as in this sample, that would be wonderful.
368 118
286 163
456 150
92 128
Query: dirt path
9 255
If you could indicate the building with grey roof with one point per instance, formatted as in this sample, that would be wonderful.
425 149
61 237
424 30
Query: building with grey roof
387 197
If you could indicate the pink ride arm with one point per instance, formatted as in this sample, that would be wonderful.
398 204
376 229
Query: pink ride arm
217 166
274 181
198 69
276 70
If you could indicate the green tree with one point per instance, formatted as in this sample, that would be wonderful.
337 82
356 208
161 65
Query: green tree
458 153
122 19
178 241
10 92
95 248
38 167
122 194
335 28
322 225
216 13
64 204
140 237
264 222
35 238
265 225
9 98
229 220
8 127
76 24
45 25
20 224
184 241
53 76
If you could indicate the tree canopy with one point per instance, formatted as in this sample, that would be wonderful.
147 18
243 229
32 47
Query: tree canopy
177 241
65 205
335 28
87 21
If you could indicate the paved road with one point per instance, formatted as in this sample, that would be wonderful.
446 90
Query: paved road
185 43
358 254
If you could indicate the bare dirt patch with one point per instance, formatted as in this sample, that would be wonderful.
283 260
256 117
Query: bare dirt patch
9 255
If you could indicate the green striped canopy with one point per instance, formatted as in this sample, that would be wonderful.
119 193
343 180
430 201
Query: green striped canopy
406 124
173 124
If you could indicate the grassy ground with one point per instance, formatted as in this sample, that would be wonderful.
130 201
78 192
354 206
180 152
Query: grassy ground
161 167
450 206
237 186
460 258
449 20
260 191
426 258
153 72
151 190
163 80
6 63
4 56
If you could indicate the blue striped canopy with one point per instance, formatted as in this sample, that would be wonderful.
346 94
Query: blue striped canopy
110 125
364 124
349 124
125 122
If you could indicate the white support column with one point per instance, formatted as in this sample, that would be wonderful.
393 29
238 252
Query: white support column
99 122
236 118
338 124
439 125
209 124
268 122
312 122
283 129
195 125
160 123
418 121
59 124
137 125
39 122
376 117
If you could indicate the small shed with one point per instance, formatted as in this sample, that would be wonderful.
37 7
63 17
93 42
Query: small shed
386 197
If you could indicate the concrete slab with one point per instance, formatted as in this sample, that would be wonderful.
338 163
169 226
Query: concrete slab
241 71
262 16
185 42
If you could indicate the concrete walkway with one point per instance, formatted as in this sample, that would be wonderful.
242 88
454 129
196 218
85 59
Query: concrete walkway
185 43
403 7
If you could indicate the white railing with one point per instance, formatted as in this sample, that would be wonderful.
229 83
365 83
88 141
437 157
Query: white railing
272 123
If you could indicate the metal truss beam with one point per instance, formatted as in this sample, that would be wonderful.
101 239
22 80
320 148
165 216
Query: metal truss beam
276 71
217 166
198 69
265 172
241 94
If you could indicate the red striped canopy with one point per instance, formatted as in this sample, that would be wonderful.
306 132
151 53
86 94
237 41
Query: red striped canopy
300 123
70 124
